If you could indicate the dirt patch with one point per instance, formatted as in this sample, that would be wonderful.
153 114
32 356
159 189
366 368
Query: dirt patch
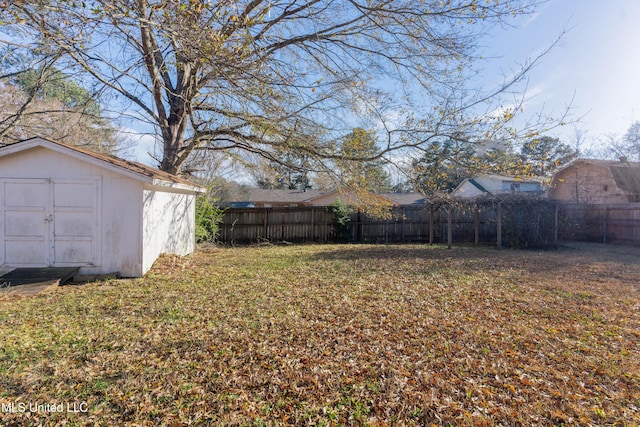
28 290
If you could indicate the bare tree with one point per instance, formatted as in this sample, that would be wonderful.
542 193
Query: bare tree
37 99
626 147
630 147
262 76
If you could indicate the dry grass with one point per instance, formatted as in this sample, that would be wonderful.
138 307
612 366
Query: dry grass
337 335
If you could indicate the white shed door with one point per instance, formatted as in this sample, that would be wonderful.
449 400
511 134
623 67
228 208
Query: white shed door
49 222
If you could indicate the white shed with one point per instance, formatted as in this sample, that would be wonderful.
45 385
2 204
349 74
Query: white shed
63 206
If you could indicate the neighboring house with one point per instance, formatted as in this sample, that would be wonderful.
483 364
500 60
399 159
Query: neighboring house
483 184
350 197
405 199
261 198
65 206
592 181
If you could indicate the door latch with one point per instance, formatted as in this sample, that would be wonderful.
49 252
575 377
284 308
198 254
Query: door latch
48 217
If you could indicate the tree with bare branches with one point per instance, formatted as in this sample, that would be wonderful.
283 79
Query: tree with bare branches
267 76
627 147
41 100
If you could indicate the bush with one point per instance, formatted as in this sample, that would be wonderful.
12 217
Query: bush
527 220
342 212
208 216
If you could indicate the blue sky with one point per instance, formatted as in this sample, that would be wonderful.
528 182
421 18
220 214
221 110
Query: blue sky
595 67
596 64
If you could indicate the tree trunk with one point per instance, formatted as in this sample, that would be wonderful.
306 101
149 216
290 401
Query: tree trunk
173 137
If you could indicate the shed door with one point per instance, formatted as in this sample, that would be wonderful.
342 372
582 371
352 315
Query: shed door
49 222
25 223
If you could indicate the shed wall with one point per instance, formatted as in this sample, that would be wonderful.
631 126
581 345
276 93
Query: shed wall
120 210
168 224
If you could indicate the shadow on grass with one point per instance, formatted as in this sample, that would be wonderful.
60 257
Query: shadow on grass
437 251
574 256
599 250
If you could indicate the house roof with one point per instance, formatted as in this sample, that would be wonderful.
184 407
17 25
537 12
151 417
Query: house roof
506 178
477 185
258 195
405 199
627 178
138 170
625 173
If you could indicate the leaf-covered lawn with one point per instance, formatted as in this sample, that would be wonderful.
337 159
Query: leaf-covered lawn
336 335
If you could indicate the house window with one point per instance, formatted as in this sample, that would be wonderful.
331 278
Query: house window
605 187
515 186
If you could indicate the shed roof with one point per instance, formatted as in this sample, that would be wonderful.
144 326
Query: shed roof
137 170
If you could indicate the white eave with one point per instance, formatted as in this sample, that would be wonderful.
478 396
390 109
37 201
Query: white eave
176 186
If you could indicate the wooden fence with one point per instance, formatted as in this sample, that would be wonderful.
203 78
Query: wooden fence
601 223
429 224
305 224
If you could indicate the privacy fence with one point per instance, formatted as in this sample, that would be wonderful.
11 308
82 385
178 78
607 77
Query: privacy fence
502 224
511 223
601 223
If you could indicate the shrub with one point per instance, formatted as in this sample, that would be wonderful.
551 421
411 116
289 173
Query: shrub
342 212
527 220
208 216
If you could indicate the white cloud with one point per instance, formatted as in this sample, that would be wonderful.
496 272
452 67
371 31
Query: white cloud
143 146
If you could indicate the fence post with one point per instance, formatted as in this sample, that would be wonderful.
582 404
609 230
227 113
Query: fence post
556 223
476 225
402 212
266 223
604 225
386 231
313 223
449 230
431 224
499 225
